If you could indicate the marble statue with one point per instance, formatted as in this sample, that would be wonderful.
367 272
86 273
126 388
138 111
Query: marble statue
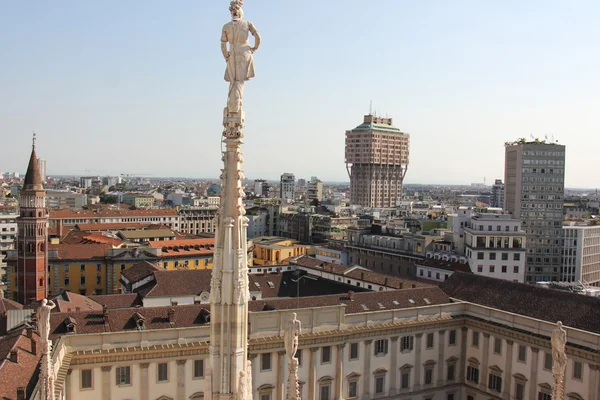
290 336
242 389
290 341
249 377
46 371
240 62
559 361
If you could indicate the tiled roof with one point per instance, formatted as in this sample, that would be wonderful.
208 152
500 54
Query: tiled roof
139 271
83 237
24 373
447 265
69 302
112 226
183 242
180 283
574 310
185 247
80 251
306 261
268 284
360 302
107 213
122 319
147 233
117 300
6 304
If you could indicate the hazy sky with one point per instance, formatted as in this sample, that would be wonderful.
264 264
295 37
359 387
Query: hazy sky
137 86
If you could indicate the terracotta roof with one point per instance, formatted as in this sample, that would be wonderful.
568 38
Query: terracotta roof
83 237
6 305
80 251
122 319
112 226
24 373
306 261
185 247
360 302
447 265
139 271
574 310
33 177
68 302
117 300
183 242
180 283
107 213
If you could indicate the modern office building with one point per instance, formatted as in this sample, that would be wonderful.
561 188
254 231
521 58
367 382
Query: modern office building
497 199
315 189
534 178
376 160
581 254
288 186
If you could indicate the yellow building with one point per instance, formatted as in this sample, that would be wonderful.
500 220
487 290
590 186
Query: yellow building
96 268
272 250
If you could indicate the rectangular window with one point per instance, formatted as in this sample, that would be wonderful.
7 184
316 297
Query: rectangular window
381 347
522 353
353 351
407 343
480 255
504 256
86 378
472 374
544 396
520 391
504 269
67 281
98 267
325 354
495 383
352 389
325 392
82 280
498 346
492 256
123 375
82 268
516 269
548 361
163 372
198 368
430 340
98 280
480 268
379 384
265 396
475 339
265 362
428 376
66 268
451 373
405 379
517 257
492 268
577 370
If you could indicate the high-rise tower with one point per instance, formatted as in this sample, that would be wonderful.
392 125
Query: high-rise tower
376 160
288 186
534 178
230 374
32 237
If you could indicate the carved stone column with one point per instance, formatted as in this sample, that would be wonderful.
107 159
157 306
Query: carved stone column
144 394
367 371
441 360
418 362
280 387
462 368
106 382
394 367
533 373
312 374
180 394
508 355
339 372
484 362
594 385
67 388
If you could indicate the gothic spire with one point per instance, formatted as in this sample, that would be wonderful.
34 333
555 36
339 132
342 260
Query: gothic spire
33 178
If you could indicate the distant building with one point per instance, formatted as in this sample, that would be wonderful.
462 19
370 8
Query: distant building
534 176
272 250
376 160
8 234
288 186
301 183
63 198
315 190
581 254
497 199
86 181
138 200
198 219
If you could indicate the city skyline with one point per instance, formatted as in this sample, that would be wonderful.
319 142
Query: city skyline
127 92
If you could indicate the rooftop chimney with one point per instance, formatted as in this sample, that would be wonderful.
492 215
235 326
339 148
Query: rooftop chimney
171 316
14 356
351 295
20 393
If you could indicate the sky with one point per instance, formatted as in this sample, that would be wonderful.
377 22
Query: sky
137 86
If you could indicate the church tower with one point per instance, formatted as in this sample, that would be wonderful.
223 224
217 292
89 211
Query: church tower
32 238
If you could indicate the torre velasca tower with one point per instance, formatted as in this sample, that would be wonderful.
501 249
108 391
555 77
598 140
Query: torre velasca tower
376 160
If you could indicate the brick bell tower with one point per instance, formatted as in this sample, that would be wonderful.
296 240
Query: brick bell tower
32 238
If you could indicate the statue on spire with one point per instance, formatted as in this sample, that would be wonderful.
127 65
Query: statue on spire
240 62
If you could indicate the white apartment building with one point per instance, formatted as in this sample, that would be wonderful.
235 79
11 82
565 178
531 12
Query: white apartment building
63 198
495 246
581 254
288 186
8 234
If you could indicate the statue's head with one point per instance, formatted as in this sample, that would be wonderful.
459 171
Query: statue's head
235 7
559 324
294 315
44 302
